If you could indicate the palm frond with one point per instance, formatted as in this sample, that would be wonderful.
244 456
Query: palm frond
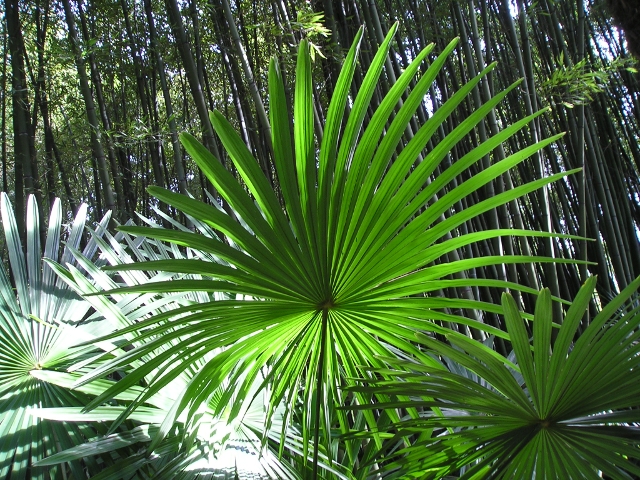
216 441
569 411
323 284
40 331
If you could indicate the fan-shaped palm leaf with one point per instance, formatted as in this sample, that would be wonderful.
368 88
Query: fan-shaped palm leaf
39 332
575 415
219 444
332 271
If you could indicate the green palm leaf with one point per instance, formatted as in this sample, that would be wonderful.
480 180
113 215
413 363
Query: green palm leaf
216 440
574 415
319 280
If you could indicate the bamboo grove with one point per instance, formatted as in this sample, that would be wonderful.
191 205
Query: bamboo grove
96 93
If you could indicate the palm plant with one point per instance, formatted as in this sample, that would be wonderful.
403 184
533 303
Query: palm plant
566 410
40 330
338 268
237 442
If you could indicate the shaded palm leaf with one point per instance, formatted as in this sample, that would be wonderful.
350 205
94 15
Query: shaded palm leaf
575 414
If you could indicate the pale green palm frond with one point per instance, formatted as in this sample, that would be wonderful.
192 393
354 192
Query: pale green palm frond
326 281
217 440
41 327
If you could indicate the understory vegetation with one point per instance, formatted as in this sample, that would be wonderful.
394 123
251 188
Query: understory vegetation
413 269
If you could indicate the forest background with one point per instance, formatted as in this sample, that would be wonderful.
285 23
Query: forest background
95 94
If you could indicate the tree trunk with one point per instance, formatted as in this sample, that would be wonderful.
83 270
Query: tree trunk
152 143
160 70
96 81
24 182
96 134
184 48
3 89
